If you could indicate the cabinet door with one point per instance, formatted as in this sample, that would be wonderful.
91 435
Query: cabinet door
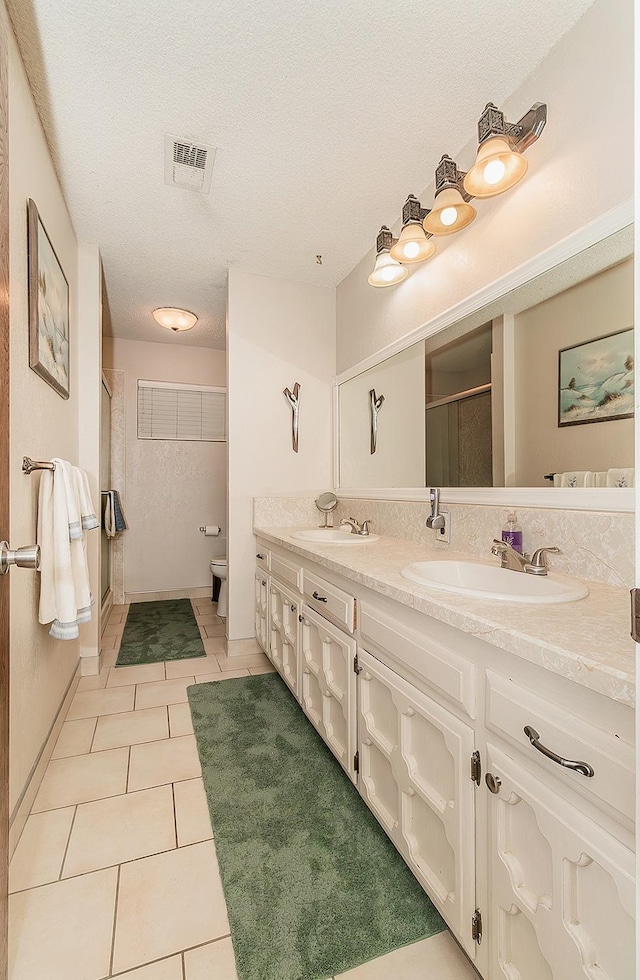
415 761
284 640
561 888
329 685
262 609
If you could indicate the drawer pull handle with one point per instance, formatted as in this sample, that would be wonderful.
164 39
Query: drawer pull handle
320 598
582 767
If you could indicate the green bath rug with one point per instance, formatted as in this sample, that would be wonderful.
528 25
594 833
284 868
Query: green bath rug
157 631
313 885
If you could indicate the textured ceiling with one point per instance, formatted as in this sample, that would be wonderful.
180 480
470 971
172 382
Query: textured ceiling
324 114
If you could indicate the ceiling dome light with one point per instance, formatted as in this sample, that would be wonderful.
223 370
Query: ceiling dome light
451 213
386 271
413 246
497 168
174 319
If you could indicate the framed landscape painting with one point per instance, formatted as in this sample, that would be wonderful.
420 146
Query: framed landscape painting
596 380
48 308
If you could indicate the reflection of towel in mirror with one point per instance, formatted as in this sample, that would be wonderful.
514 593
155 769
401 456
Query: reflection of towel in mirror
65 594
624 477
574 478
114 519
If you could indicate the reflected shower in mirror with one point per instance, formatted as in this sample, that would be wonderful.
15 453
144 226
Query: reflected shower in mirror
485 402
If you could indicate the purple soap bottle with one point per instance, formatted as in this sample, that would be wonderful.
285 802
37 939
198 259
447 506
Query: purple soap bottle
512 533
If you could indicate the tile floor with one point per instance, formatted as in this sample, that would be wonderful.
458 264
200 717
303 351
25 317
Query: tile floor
115 874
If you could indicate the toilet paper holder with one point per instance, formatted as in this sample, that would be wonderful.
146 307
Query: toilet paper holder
210 530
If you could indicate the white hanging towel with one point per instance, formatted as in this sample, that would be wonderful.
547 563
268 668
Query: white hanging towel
65 594
577 478
621 477
88 518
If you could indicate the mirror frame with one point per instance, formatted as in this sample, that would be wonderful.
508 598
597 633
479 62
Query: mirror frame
553 498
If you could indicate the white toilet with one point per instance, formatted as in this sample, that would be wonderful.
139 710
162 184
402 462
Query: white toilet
219 569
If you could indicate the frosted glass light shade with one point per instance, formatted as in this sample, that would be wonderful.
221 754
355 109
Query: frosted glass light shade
451 213
386 271
497 168
174 319
413 245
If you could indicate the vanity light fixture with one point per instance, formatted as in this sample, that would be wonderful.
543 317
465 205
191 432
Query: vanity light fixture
414 245
499 163
451 211
174 319
386 270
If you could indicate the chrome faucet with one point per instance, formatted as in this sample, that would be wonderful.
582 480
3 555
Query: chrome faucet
361 529
435 520
512 559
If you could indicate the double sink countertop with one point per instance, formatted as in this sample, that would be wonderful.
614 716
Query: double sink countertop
586 641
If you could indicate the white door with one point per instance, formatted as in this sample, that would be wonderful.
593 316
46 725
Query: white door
561 889
284 641
329 686
415 759
262 609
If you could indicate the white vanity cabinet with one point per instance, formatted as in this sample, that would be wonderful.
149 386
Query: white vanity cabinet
262 587
530 863
329 686
285 611
561 889
414 760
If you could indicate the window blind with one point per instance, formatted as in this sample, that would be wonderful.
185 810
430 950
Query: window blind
192 413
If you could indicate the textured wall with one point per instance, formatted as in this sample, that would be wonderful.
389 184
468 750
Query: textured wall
569 183
170 488
42 425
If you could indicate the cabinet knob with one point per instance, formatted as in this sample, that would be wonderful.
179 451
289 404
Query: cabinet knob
293 608
493 782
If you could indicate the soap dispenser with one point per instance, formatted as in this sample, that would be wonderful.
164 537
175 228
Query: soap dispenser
512 533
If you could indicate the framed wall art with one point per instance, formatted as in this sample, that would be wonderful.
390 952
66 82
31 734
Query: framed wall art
597 380
48 308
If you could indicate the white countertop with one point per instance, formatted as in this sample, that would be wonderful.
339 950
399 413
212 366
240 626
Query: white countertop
586 641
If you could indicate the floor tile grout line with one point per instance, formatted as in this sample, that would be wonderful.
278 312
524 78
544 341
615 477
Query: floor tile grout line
93 738
66 848
115 919
128 771
175 814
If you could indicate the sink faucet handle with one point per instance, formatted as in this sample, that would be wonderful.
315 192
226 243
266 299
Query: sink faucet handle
538 561
364 527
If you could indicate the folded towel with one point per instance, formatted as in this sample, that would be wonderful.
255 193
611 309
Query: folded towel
601 478
624 477
65 594
114 519
576 478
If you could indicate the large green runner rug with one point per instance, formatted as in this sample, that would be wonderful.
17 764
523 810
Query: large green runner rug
157 631
312 883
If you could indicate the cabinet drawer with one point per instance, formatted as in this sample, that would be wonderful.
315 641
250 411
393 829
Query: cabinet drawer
425 657
263 558
330 601
510 708
287 571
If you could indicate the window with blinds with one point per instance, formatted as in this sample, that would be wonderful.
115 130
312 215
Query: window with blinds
192 413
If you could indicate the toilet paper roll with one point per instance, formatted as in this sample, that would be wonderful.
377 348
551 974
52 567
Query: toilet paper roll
211 531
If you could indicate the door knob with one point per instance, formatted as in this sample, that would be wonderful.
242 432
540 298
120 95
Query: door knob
24 557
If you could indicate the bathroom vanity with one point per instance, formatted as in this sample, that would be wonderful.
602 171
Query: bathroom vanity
424 697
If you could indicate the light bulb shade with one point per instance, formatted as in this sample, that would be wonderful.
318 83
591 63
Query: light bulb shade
451 213
413 245
386 271
174 319
497 168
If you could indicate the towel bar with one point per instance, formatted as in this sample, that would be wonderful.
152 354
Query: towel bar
29 465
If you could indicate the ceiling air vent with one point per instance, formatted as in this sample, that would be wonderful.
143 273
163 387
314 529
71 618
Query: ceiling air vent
188 164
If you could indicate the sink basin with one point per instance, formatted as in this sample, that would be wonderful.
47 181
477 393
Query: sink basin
489 581
332 535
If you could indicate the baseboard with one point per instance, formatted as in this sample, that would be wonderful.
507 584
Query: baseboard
22 808
196 593
242 648
107 606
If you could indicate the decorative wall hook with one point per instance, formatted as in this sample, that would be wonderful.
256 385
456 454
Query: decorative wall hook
375 403
294 401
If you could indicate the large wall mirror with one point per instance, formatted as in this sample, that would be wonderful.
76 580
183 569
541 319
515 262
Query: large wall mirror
534 390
